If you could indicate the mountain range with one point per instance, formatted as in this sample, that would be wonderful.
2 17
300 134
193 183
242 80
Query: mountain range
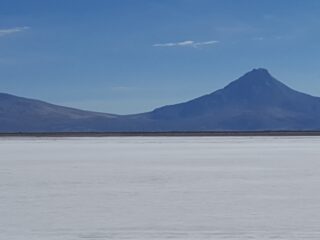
254 102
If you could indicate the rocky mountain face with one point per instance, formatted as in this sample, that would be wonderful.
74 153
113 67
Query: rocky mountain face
254 102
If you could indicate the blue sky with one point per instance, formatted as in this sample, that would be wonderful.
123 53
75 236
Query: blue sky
129 56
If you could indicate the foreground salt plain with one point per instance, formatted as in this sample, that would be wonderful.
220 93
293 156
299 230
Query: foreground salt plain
160 188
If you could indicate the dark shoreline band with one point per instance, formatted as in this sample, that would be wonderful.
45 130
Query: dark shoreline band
163 134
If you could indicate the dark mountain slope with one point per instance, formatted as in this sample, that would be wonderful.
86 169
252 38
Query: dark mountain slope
26 115
254 102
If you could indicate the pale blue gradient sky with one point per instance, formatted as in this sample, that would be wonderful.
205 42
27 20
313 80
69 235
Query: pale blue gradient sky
128 56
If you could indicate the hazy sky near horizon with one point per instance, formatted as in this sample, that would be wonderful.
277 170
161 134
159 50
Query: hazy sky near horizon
128 56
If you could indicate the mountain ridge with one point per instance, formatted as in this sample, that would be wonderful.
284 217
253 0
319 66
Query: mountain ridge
254 102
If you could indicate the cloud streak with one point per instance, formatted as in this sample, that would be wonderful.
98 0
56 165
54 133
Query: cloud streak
258 39
188 43
9 31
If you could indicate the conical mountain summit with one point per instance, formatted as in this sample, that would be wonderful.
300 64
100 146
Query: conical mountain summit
254 102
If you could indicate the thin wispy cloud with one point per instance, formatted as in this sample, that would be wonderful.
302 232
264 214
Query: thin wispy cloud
258 38
188 43
271 38
9 31
122 88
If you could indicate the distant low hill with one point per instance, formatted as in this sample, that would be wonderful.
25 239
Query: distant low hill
254 102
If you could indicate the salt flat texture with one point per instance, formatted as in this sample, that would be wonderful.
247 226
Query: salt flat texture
160 188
